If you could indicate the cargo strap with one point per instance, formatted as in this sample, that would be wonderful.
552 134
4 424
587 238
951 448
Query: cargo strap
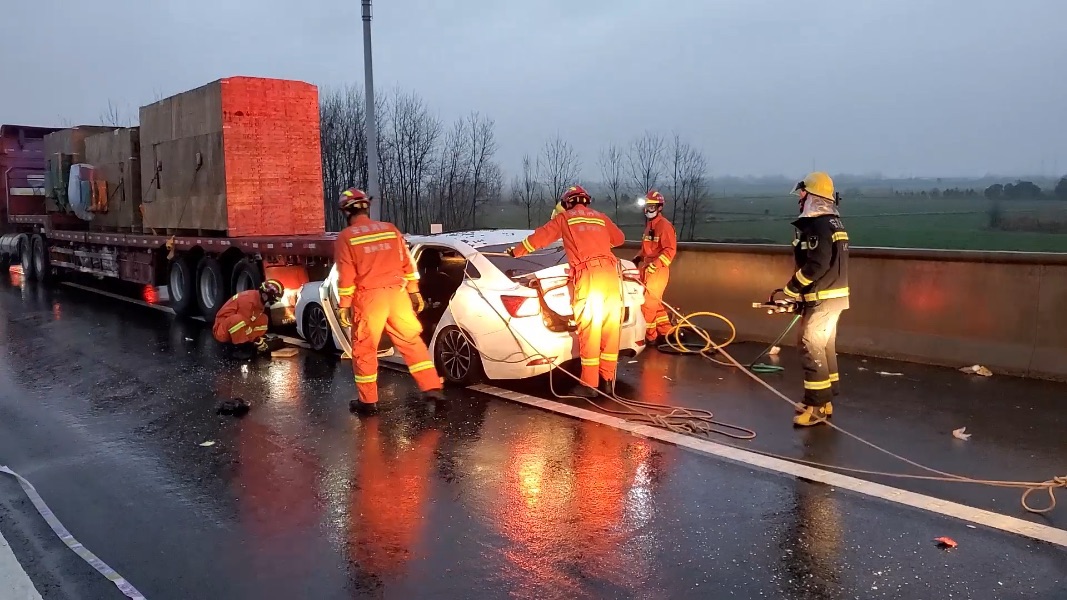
124 586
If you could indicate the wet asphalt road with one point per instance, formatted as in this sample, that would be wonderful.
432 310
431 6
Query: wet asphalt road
103 407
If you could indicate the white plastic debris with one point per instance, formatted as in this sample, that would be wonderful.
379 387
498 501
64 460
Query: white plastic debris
960 434
888 374
977 370
774 351
207 443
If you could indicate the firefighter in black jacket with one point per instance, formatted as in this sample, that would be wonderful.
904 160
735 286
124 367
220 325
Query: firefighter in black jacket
820 289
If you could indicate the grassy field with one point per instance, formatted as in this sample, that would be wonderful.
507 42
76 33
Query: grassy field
895 222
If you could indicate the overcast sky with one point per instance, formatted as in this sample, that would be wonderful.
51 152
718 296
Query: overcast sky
901 87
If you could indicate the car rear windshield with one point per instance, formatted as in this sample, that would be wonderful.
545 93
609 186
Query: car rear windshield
518 267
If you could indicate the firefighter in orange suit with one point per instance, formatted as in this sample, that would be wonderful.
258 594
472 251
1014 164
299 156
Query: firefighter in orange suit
659 244
243 320
378 288
596 283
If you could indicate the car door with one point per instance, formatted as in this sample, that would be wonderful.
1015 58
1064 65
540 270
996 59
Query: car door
330 300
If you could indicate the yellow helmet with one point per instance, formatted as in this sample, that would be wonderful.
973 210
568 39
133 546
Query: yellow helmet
557 210
817 183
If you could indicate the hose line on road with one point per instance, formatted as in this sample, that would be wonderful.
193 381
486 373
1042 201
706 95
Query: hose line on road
1028 487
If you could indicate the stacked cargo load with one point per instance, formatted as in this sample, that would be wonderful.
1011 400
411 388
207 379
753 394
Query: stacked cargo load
116 201
64 149
238 157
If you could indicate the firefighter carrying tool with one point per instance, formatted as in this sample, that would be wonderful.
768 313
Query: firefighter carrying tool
820 288
595 283
378 288
243 321
659 245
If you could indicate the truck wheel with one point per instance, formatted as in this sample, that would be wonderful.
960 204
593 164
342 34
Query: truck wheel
212 287
42 265
28 272
246 276
181 286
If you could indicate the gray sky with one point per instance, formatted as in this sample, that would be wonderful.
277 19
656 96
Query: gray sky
901 87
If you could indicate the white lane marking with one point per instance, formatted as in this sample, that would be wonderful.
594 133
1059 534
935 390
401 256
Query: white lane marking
13 578
867 488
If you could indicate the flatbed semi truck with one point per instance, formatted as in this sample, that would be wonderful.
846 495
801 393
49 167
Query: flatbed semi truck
229 200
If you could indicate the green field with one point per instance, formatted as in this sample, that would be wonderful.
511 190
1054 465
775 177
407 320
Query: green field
894 222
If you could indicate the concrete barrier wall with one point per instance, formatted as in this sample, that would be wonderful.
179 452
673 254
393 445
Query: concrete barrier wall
1004 310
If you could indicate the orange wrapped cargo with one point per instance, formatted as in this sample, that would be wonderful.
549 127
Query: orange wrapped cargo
237 157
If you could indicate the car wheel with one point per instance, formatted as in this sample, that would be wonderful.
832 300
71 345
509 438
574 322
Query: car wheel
317 330
457 360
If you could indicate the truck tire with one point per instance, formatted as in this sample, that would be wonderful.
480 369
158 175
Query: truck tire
212 287
246 276
26 250
181 284
42 265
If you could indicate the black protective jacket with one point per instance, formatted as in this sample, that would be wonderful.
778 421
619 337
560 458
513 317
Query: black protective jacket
820 250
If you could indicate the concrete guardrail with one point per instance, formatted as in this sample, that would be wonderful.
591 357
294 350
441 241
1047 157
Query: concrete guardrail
1004 310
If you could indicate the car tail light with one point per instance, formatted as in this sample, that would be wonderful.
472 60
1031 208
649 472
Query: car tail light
520 306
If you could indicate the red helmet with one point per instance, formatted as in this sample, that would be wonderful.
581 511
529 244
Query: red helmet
653 198
273 290
575 194
353 198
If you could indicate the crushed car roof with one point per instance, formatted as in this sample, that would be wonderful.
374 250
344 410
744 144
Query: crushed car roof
479 238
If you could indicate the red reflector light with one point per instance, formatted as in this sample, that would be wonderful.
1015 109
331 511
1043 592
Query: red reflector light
520 306
640 342
150 294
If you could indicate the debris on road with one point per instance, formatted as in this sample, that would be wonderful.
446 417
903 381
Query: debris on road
284 353
774 351
946 542
233 406
207 443
888 374
977 370
960 434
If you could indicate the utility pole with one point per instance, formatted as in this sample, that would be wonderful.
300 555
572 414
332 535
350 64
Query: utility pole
372 123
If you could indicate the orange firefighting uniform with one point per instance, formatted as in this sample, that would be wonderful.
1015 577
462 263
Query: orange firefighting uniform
659 244
242 319
595 284
375 273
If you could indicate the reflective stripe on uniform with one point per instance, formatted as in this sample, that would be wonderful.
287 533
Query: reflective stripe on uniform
411 276
346 291
590 362
420 366
790 293
237 327
803 280
367 378
835 377
585 221
650 326
817 385
666 261
609 357
826 294
663 319
372 237
840 236
261 328
529 247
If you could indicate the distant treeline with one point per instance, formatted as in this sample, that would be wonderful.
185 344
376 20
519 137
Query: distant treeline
1018 190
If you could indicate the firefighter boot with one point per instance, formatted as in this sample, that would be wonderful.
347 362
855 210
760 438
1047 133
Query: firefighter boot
607 387
812 415
583 391
363 408
433 395
827 408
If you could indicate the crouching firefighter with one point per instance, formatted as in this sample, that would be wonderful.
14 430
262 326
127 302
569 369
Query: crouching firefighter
659 244
243 321
595 284
820 289
378 289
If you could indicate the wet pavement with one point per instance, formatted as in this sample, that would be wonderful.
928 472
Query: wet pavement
104 406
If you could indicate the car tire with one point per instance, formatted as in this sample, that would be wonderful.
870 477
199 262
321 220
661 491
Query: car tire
246 276
317 331
212 287
456 358
181 284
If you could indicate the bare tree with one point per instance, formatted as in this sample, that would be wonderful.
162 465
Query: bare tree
610 162
645 160
464 177
558 166
688 186
482 147
409 140
526 190
342 121
114 116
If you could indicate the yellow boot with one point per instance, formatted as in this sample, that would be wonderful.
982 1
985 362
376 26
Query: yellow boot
812 415
828 408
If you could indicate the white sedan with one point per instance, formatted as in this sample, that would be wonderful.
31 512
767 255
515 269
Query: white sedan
487 314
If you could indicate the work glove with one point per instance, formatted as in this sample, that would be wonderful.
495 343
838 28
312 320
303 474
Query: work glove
261 345
417 302
511 251
344 316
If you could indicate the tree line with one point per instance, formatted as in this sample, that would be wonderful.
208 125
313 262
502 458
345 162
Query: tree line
430 172
651 161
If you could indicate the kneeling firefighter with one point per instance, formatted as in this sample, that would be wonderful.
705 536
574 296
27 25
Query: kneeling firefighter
820 289
596 283
378 289
659 245
243 321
